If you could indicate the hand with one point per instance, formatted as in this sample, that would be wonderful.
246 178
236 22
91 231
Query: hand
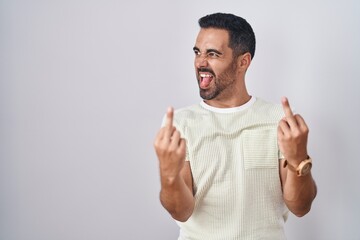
170 148
292 135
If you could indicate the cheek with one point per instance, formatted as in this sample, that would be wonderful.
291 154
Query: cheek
220 70
228 72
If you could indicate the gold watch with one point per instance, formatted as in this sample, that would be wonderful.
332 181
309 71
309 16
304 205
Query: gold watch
303 169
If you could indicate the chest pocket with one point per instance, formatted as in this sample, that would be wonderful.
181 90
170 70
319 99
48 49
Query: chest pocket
260 149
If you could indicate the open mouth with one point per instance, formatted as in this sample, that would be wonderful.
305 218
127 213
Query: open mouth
205 79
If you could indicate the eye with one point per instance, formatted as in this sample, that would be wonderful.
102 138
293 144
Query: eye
213 55
197 52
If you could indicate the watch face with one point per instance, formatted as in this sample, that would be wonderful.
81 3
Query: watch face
306 168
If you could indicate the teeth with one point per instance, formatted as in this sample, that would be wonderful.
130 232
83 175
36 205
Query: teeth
205 75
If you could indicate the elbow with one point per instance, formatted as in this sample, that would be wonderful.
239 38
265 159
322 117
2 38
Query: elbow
299 208
300 212
182 215
183 218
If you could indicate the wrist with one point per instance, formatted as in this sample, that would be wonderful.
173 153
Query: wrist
296 160
169 180
301 169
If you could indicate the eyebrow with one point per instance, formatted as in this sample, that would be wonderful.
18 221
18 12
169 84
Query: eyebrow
208 50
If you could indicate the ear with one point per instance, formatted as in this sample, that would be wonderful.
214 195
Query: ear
244 61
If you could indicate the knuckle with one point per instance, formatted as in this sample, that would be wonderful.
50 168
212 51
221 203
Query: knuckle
170 149
176 133
306 130
287 137
297 133
280 137
157 144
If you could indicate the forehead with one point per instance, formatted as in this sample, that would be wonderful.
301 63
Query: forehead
212 38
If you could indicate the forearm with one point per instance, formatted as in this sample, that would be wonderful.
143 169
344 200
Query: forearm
177 198
299 192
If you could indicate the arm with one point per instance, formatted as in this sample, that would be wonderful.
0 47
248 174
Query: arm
298 191
176 196
176 193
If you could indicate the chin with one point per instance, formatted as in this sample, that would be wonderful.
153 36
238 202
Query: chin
207 95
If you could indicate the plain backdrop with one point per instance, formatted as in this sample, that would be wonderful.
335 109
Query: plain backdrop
84 86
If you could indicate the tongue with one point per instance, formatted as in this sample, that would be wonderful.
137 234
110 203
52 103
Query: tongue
205 82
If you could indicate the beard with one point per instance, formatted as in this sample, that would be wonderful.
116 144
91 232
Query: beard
222 83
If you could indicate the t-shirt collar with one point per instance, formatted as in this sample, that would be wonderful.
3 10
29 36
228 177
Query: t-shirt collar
229 110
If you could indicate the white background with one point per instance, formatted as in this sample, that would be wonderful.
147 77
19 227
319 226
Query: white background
84 86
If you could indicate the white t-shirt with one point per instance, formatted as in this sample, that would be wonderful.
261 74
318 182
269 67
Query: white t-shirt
234 159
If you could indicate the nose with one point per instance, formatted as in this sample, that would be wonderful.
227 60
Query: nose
201 61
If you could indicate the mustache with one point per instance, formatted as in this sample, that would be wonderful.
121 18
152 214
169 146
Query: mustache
206 70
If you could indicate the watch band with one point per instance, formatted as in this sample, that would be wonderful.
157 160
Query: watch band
302 169
290 167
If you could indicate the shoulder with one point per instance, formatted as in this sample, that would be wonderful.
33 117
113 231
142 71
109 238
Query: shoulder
185 114
189 113
267 110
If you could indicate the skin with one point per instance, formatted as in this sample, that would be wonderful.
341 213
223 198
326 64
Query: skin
176 193
229 72
227 89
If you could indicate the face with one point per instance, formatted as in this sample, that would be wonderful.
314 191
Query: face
214 64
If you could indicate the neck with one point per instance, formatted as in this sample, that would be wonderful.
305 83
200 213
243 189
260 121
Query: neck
229 103
234 96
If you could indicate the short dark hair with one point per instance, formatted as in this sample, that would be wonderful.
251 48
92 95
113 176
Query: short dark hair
241 34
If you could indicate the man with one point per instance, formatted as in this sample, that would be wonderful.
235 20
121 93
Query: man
232 166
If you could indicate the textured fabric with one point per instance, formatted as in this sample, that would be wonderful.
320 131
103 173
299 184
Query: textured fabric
234 158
